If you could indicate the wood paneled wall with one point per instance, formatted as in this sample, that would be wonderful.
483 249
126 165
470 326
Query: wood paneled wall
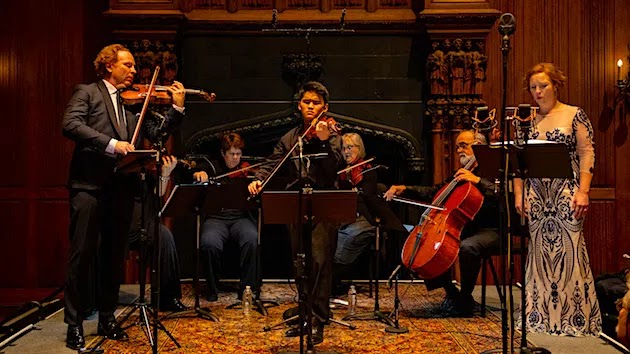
47 47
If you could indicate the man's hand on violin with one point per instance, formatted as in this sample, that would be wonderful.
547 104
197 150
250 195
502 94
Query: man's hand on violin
178 92
201 177
123 147
255 187
322 131
394 191
465 175
168 165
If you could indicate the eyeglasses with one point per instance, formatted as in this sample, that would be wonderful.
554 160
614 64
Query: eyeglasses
348 147
464 145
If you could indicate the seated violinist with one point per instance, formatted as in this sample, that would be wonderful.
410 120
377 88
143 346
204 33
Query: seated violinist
354 238
228 225
478 237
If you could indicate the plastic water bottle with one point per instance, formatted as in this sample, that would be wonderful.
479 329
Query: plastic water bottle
248 298
352 300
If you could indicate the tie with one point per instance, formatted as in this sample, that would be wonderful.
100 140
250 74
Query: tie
121 119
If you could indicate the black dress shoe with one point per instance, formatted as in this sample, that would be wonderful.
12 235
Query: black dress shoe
212 297
292 332
173 305
317 334
74 338
112 331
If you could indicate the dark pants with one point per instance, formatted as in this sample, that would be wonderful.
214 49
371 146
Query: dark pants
99 226
352 241
323 244
472 249
170 287
215 233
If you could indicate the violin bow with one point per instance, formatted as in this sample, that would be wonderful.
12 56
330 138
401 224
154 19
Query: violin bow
145 106
357 165
239 170
413 202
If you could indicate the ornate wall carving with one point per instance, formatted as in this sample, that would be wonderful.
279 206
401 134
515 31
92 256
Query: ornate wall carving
456 71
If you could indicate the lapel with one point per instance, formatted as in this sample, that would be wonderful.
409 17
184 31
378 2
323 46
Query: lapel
110 106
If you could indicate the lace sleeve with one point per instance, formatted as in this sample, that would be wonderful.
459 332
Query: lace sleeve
585 145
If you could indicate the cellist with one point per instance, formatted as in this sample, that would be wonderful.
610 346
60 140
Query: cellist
228 225
478 237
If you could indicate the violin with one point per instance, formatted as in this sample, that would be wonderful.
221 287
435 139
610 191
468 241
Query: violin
333 126
137 93
354 173
242 170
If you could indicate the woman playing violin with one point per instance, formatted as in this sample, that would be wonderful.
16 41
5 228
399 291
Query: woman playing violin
354 238
229 225
478 237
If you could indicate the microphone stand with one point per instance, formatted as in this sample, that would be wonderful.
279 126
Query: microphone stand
506 28
307 34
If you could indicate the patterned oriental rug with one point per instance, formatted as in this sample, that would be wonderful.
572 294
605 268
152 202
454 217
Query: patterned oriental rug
239 333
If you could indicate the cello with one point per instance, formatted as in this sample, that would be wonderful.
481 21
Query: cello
433 245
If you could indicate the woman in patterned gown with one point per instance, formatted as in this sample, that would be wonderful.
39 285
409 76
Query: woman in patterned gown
560 289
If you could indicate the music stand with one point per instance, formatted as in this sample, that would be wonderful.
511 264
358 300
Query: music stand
184 200
140 161
136 161
534 159
283 207
383 217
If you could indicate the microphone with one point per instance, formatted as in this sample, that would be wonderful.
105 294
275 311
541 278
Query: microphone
507 24
391 277
300 146
482 113
342 20
274 18
524 112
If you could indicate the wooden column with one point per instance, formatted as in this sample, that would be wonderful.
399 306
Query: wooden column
456 68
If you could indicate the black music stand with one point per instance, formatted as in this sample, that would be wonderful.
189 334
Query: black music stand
137 161
184 200
383 217
141 161
283 207
534 159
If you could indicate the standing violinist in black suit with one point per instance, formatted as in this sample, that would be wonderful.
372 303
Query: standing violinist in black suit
102 199
478 237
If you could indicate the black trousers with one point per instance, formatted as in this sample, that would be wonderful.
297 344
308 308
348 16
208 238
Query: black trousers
170 285
319 276
99 226
472 249
215 233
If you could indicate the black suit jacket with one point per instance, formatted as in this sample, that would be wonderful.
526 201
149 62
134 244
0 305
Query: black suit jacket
90 121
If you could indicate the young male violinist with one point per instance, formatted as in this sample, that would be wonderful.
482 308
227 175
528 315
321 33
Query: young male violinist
229 225
318 173
478 237
101 199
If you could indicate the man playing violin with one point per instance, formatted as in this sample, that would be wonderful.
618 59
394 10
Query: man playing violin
354 238
478 238
101 199
229 225
319 173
